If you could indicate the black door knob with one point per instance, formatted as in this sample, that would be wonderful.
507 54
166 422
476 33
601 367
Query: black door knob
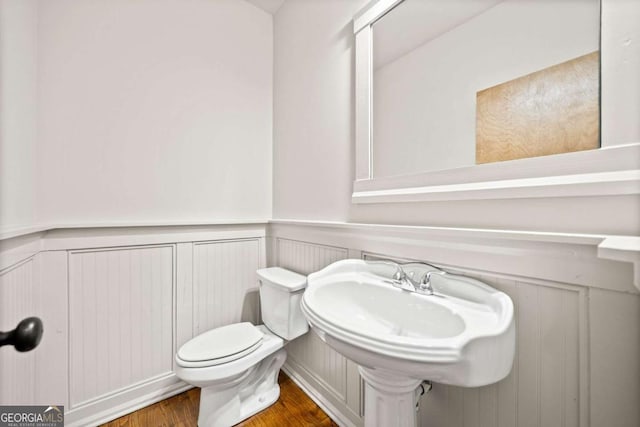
25 337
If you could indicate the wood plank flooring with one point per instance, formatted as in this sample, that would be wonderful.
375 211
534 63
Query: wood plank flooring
294 408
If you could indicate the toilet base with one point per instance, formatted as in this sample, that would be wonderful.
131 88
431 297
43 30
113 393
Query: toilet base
254 392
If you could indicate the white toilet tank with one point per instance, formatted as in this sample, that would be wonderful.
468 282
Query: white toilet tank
280 294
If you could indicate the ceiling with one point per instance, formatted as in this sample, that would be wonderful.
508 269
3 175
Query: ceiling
270 6
415 22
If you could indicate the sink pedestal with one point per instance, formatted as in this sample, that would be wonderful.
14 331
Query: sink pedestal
390 399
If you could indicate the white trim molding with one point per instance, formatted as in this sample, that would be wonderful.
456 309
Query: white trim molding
582 185
617 252
625 249
372 12
590 260
9 233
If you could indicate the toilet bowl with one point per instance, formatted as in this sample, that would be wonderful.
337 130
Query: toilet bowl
237 365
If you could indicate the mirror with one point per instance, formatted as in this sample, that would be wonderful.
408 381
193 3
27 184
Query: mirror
462 82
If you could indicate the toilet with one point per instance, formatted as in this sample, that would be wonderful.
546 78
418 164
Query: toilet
237 365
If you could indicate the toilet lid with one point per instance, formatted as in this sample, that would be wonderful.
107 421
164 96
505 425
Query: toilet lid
237 339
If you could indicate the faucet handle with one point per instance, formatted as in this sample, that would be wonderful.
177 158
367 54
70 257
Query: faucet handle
425 284
400 274
426 279
425 288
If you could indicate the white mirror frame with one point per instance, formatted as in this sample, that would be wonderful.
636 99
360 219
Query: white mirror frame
614 169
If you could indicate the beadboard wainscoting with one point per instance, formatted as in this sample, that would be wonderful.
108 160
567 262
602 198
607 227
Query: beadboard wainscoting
18 284
225 283
32 283
107 351
116 303
120 321
576 317
309 359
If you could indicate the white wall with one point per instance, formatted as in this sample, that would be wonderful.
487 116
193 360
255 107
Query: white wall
424 102
18 112
313 140
313 109
154 111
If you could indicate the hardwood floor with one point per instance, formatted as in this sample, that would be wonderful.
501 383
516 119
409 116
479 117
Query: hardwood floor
179 410
293 408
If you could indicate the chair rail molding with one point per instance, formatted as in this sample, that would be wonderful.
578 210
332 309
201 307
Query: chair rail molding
590 260
625 249
592 257
10 233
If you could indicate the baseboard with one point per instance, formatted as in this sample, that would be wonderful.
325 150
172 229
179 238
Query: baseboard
153 393
314 394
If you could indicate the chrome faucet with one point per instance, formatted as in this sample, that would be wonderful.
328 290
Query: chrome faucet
404 281
400 279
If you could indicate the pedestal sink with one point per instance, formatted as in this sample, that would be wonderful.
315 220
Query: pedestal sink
463 334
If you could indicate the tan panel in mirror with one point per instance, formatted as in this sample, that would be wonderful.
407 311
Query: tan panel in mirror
552 111
423 114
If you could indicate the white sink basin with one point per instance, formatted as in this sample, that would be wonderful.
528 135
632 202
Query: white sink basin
464 335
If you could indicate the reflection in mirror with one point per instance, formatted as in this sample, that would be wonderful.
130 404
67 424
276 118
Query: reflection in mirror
462 82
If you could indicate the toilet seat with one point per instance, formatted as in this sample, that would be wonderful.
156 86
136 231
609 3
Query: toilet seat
220 345
201 375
